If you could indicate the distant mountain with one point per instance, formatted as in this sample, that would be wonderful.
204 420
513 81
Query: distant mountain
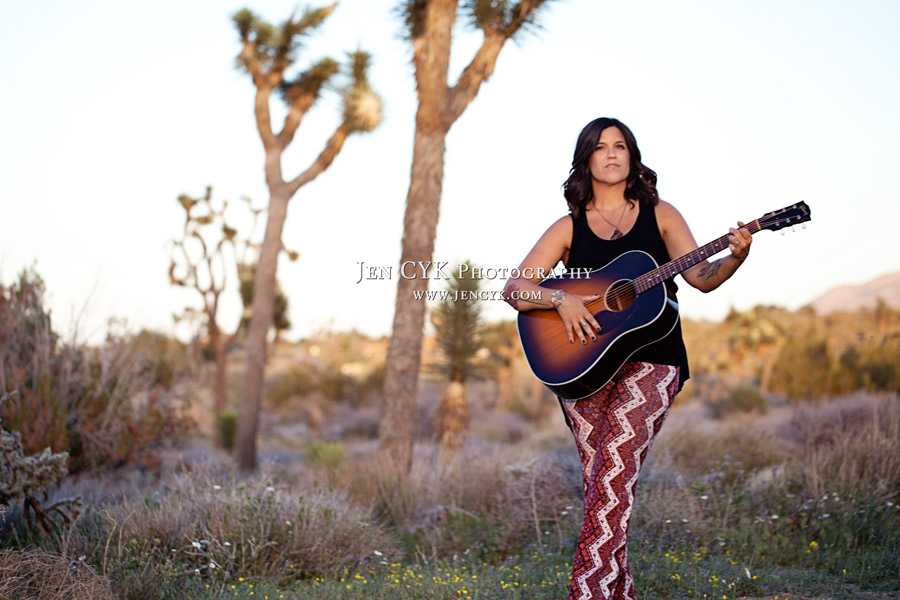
865 295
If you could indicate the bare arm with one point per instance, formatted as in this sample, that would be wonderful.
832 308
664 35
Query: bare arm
705 276
546 254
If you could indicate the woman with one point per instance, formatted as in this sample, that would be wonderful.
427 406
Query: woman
614 208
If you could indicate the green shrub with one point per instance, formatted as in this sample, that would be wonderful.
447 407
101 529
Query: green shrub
327 455
743 398
228 429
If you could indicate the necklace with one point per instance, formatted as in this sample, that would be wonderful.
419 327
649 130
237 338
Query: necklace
616 233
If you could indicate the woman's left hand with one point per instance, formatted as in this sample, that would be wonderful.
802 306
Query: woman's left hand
740 242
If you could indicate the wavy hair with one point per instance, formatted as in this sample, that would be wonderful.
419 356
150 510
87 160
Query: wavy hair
640 185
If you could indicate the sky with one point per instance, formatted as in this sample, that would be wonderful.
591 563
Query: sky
110 110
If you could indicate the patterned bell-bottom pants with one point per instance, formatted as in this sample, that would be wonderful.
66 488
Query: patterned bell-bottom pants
614 429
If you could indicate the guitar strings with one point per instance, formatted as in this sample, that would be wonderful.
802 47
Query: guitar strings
629 289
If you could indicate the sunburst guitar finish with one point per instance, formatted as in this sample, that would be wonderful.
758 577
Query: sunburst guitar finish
628 322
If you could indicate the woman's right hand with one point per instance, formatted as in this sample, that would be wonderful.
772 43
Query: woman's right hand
577 319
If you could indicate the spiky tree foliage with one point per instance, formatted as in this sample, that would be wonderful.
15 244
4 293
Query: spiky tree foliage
429 27
268 52
458 327
281 321
208 251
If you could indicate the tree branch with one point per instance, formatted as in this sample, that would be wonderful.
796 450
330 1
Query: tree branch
477 72
292 121
323 161
263 119
249 57
302 93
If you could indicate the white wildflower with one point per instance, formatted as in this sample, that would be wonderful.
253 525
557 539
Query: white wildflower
270 489
704 497
378 553
217 487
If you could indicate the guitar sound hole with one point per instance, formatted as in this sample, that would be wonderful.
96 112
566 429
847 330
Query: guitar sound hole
620 295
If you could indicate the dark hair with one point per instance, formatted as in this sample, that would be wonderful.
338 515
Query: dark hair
640 184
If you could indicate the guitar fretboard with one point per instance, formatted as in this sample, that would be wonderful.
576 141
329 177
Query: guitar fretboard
682 263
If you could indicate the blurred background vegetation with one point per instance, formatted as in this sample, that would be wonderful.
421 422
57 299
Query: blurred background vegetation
778 471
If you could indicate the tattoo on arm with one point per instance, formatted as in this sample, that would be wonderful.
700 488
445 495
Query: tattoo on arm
711 270
512 296
537 302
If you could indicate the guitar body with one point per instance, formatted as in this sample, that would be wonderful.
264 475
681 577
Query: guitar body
628 321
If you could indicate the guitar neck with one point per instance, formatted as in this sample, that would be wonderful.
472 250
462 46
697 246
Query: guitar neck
682 263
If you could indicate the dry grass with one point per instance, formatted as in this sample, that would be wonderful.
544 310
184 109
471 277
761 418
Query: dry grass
708 483
493 499
851 446
40 575
208 526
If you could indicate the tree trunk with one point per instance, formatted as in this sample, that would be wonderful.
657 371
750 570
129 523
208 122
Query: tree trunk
453 420
439 107
218 344
260 323
398 421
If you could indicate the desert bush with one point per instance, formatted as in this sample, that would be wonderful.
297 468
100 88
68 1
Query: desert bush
851 447
742 398
496 502
40 575
228 429
323 383
814 487
707 452
105 406
326 455
207 526
800 354
23 478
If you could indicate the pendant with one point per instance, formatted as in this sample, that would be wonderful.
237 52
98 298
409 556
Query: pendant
616 234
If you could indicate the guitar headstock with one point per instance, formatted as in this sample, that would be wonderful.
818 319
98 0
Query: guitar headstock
789 215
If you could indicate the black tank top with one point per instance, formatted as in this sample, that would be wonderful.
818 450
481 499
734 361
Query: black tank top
588 251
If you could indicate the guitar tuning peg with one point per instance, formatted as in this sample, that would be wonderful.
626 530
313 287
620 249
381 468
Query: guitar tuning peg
782 232
803 226
792 228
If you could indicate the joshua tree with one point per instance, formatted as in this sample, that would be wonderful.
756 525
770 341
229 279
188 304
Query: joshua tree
208 250
429 26
267 53
458 327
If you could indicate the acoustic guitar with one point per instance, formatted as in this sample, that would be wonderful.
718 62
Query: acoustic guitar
633 311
